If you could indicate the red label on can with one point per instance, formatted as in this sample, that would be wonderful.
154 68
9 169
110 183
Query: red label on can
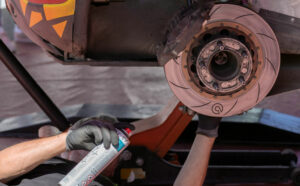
128 131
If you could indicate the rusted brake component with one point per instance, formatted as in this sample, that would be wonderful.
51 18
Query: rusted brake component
182 29
229 66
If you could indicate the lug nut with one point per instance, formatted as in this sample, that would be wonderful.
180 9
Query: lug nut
212 47
244 70
220 43
216 86
242 79
244 53
202 64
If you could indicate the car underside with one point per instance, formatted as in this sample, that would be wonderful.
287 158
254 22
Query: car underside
220 58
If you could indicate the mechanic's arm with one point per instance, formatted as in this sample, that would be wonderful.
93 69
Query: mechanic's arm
83 135
194 169
22 158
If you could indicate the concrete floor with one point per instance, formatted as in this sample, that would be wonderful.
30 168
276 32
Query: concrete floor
69 85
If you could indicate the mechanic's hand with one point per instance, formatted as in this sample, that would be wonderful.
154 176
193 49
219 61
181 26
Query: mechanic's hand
87 133
208 126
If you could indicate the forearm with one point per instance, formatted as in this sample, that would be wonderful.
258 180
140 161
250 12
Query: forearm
194 170
22 158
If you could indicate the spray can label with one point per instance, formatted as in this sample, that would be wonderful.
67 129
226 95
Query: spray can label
94 163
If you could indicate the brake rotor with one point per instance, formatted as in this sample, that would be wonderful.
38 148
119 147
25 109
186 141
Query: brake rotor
229 66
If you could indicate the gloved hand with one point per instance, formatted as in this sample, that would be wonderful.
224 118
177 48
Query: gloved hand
208 126
87 133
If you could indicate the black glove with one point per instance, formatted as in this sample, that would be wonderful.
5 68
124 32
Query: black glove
208 126
87 133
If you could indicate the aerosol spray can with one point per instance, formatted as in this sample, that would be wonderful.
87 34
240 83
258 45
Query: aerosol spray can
95 162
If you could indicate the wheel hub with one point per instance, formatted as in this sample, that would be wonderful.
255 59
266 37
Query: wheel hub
224 65
222 60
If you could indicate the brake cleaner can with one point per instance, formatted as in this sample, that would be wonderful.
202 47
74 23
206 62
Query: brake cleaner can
95 162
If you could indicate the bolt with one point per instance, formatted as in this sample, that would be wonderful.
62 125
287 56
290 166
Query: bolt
245 62
220 43
212 47
244 70
242 80
244 53
204 71
224 84
202 64
216 86
139 162
208 78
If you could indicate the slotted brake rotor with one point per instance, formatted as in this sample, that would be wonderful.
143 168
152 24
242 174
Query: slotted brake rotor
229 66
